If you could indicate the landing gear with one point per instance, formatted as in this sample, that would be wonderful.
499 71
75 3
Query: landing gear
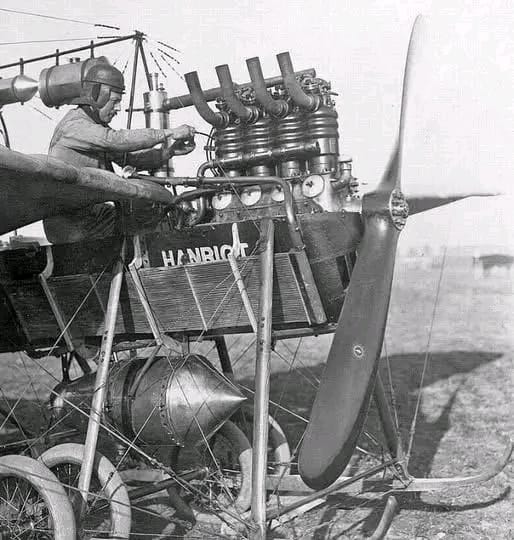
33 503
108 511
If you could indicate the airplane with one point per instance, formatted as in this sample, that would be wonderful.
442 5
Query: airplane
276 242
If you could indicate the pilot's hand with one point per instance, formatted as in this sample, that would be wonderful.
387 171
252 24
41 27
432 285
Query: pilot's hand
180 133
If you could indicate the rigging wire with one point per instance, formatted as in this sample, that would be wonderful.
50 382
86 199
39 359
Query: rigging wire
77 21
50 40
168 46
426 357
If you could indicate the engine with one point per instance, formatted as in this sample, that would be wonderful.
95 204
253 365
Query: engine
284 127
180 400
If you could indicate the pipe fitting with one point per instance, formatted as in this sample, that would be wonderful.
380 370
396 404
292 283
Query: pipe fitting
303 100
275 107
249 115
216 119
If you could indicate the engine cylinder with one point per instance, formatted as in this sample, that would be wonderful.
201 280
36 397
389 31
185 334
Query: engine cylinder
321 127
258 139
290 132
229 142
182 400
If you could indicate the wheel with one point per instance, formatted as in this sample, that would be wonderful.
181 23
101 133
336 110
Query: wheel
228 458
108 513
279 452
33 503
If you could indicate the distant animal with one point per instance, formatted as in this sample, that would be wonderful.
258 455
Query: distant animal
493 260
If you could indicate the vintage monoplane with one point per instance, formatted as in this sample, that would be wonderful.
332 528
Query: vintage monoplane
275 241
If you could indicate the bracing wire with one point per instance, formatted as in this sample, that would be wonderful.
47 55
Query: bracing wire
49 40
426 357
168 46
40 15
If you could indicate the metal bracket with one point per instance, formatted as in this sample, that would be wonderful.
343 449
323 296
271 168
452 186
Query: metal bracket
434 484
232 259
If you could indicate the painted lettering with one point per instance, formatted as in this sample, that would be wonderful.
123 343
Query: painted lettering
167 258
200 254
207 254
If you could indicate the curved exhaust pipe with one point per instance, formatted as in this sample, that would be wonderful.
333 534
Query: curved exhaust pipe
216 119
274 107
244 113
303 100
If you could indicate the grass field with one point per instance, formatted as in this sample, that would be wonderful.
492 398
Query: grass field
462 326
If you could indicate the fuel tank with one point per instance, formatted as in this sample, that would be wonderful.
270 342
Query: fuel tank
180 400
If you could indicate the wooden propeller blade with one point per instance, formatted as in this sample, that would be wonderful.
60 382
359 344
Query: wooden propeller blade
422 203
343 397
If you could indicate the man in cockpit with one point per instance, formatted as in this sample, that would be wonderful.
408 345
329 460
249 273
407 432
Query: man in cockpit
83 138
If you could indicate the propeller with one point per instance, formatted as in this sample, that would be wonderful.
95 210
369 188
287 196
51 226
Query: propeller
343 398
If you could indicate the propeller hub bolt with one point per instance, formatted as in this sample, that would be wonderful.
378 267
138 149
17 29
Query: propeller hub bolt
398 209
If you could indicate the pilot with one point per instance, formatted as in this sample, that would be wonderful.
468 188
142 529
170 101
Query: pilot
83 138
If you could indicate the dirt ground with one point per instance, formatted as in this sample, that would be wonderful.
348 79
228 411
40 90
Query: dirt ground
461 325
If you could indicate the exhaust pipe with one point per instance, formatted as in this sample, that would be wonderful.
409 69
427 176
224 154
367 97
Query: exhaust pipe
303 100
216 119
274 107
246 114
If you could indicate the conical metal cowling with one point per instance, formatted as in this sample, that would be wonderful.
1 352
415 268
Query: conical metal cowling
183 399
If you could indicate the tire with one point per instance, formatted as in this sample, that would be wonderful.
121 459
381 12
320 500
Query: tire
233 438
40 480
108 478
279 451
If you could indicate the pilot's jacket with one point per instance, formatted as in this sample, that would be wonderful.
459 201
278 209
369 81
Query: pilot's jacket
82 142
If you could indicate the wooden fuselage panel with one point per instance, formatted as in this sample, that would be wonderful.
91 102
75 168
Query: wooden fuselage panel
186 277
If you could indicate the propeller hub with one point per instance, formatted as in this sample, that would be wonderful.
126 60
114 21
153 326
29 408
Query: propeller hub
398 209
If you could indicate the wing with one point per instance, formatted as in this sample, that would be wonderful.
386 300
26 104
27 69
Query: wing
37 187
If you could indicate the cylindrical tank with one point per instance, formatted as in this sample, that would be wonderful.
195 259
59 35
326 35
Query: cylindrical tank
179 400
157 117
17 89
60 85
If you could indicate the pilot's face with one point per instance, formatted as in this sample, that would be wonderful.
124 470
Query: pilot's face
111 108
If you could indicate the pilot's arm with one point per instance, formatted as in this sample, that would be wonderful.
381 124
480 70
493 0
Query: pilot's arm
90 137
155 157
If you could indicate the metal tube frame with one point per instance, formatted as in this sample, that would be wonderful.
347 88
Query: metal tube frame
262 382
102 374
22 62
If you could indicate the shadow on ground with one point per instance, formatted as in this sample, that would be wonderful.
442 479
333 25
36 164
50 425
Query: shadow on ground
294 391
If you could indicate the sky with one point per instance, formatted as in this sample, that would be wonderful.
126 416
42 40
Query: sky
460 125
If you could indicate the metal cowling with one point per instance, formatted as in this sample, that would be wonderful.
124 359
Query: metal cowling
17 89
180 400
